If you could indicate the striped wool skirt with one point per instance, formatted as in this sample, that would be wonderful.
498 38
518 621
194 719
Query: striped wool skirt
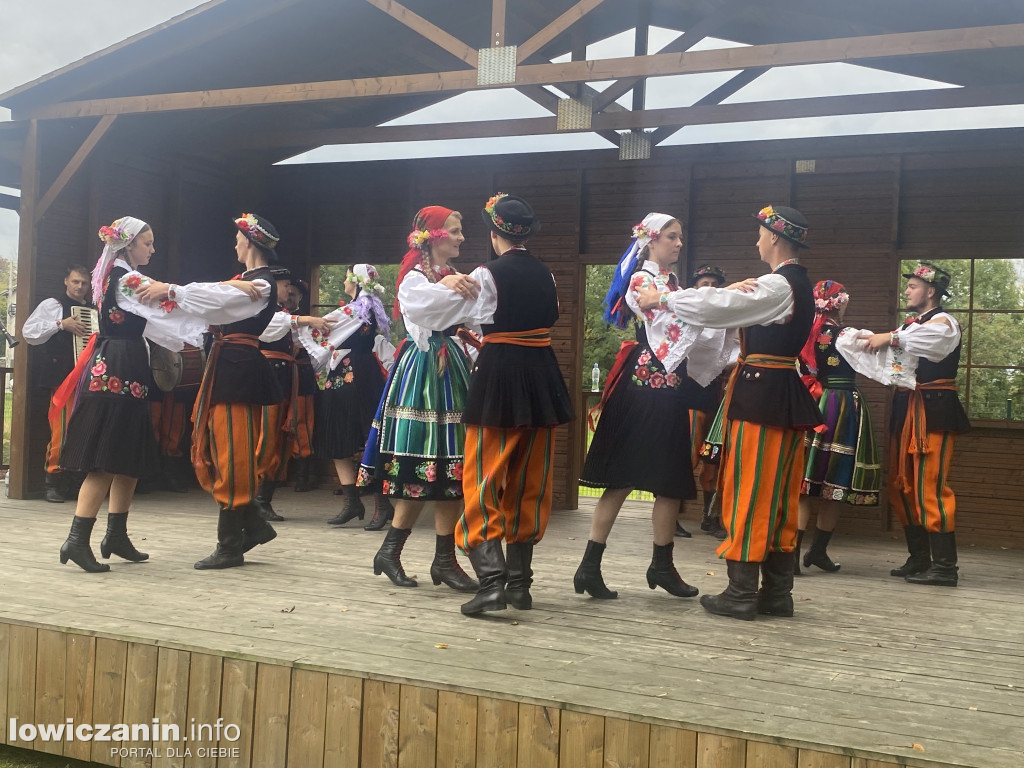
417 440
842 462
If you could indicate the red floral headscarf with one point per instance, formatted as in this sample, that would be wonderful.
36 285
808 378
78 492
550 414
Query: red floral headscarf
429 219
829 296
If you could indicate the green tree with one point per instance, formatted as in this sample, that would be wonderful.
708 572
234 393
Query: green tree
332 293
601 341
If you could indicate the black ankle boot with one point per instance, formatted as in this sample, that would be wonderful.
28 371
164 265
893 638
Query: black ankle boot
489 563
53 493
353 507
799 544
711 521
264 495
588 576
383 513
775 597
116 540
920 559
388 559
943 571
662 573
446 568
817 554
230 540
255 530
302 474
76 547
739 600
682 532
519 559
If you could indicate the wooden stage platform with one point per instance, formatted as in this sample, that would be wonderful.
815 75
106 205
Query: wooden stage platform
320 663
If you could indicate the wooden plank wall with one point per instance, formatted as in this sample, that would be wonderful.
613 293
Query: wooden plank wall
871 201
306 718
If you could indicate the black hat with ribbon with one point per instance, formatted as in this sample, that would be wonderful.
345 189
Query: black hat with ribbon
785 222
933 275
511 217
259 231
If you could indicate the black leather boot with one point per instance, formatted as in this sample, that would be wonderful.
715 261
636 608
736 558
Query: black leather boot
383 513
943 571
76 547
817 554
489 563
799 544
739 600
302 474
446 568
711 521
230 540
353 507
265 495
388 559
52 488
662 573
775 597
588 576
255 530
519 559
116 541
682 532
168 479
920 559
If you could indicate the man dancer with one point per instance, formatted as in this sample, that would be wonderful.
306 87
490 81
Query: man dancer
767 411
52 328
923 427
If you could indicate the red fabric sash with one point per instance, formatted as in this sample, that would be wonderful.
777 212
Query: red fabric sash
67 390
613 377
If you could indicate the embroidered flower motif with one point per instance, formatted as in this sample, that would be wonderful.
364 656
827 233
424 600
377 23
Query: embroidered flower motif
137 390
643 232
673 332
385 487
453 491
671 380
116 316
412 490
643 373
168 306
454 471
391 468
362 477
645 358
114 385
100 368
348 377
657 381
662 351
427 471
96 385
133 282
419 238
833 360
824 339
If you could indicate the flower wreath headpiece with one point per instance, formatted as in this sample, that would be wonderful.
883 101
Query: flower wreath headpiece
419 238
366 277
829 296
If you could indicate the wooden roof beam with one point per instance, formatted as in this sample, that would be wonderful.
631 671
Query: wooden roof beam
430 31
717 96
9 202
497 23
555 28
781 54
69 171
902 101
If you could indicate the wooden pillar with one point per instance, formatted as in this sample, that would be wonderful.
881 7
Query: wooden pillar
21 419
640 49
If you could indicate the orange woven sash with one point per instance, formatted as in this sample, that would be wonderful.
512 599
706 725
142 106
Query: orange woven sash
539 337
914 437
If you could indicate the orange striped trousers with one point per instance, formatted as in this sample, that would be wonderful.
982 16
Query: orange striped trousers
507 483
235 439
58 431
929 501
759 483
302 440
275 442
168 424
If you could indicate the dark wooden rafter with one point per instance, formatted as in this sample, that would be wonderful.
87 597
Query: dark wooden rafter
717 96
426 29
497 23
945 98
641 37
69 171
555 28
782 54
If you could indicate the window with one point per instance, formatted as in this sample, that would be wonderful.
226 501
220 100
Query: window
988 301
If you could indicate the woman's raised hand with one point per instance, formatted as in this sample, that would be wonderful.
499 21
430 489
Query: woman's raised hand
249 289
152 292
743 286
464 285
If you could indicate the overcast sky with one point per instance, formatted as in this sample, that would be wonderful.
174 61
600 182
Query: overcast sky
33 42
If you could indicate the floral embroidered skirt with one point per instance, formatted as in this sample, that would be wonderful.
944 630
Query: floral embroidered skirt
415 448
642 440
842 462
346 407
111 429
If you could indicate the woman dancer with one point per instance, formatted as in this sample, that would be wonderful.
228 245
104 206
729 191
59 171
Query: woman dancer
414 453
643 437
842 459
353 380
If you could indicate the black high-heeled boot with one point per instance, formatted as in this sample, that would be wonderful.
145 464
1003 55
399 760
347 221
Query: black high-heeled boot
383 513
388 559
76 547
116 540
230 540
662 573
489 563
264 495
817 554
588 576
446 569
353 507
519 561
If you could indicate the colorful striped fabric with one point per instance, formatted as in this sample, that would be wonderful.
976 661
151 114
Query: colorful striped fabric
931 501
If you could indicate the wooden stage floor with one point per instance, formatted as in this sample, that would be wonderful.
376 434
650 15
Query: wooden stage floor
870 668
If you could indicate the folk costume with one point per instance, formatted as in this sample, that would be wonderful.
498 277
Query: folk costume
238 382
925 419
842 462
516 399
352 376
767 408
52 361
642 439
415 449
305 410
